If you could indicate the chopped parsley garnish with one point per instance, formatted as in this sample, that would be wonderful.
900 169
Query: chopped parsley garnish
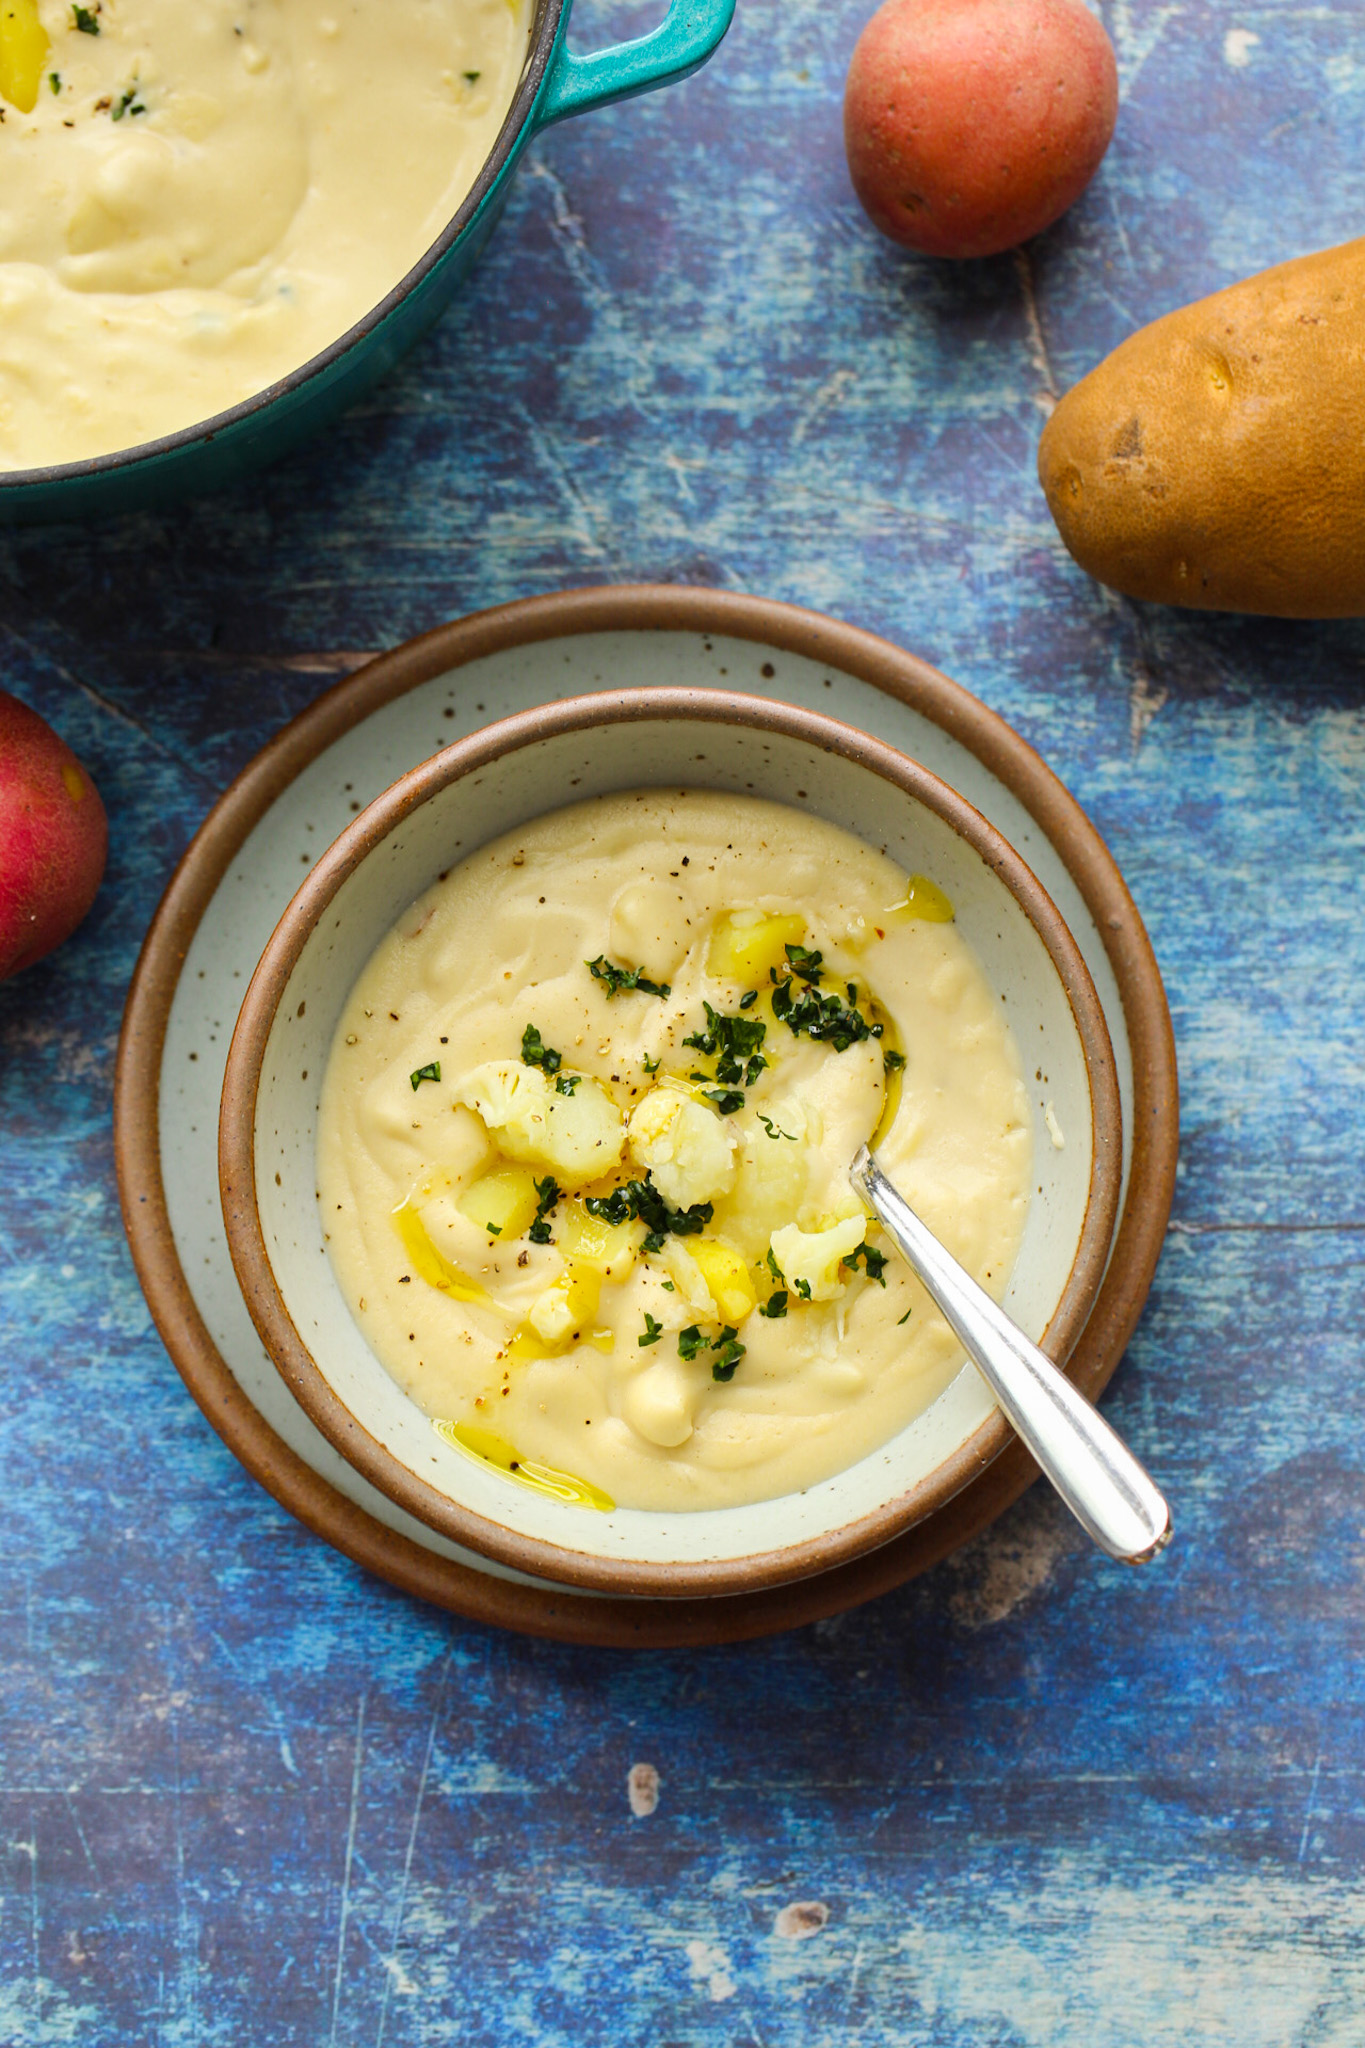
773 1130
493 1229
775 1307
431 1072
535 1052
874 1261
773 1266
904 1319
748 999
614 979
734 1042
566 1083
726 1346
471 77
653 1331
729 1351
54 79
822 1017
548 1193
804 963
803 1289
735 1039
129 104
640 1200
893 1061
727 1100
83 18
651 1066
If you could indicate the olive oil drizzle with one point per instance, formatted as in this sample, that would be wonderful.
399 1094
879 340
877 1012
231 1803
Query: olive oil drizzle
490 1449
427 1262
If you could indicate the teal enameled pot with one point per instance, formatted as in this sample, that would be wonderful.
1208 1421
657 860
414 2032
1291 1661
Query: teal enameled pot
554 84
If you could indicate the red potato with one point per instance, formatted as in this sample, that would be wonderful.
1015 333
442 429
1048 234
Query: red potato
972 124
53 838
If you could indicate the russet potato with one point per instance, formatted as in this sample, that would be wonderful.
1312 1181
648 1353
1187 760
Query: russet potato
1214 459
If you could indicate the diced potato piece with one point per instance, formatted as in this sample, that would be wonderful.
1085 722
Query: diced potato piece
813 1256
567 1305
578 1136
773 1172
609 1247
502 1202
745 945
658 1405
923 900
683 1145
429 1264
23 53
726 1276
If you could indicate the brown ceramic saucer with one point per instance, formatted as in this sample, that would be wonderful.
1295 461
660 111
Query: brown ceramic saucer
550 1609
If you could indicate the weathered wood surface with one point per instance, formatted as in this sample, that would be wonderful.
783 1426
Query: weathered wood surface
250 1796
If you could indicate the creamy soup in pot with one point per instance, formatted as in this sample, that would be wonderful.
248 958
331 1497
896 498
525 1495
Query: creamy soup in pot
585 1136
197 196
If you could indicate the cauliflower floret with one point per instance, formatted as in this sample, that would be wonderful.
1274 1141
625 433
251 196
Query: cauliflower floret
565 1306
551 1316
579 1136
686 1148
683 1270
813 1256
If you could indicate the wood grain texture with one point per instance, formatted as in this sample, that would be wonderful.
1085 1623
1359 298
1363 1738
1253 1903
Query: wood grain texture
247 1795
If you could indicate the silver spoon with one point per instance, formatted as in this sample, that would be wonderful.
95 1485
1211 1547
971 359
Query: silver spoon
1096 1474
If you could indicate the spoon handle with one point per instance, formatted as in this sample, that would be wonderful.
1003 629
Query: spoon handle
1093 1470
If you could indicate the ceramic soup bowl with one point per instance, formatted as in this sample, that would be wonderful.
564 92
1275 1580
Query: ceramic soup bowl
442 811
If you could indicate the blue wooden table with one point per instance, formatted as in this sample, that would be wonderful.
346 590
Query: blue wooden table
251 1797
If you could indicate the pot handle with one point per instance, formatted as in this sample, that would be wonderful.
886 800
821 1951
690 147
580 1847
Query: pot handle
680 45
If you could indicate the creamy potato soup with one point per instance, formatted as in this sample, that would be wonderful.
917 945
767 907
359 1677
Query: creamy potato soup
585 1137
196 196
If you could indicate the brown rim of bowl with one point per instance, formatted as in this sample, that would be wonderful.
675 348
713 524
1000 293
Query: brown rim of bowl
247 1245
412 1568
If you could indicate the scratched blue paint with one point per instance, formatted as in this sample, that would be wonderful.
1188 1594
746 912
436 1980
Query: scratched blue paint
249 1796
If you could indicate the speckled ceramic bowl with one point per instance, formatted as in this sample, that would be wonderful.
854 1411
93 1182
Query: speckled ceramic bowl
442 811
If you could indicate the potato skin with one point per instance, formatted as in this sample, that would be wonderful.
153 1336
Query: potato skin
972 124
54 837
1215 459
